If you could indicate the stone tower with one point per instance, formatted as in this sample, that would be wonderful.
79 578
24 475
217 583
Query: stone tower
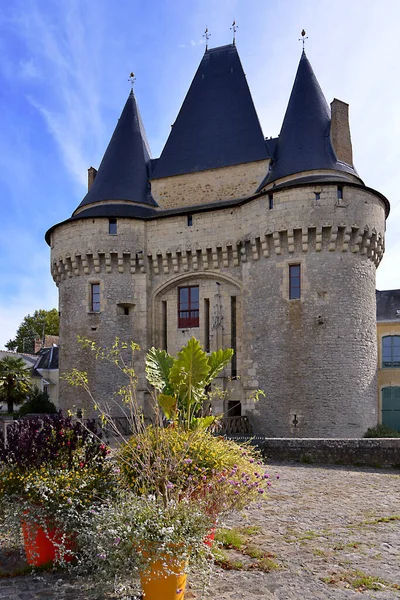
268 246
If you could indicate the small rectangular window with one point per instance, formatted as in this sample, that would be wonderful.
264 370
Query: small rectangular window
294 282
317 196
270 201
340 192
95 297
190 220
188 306
112 226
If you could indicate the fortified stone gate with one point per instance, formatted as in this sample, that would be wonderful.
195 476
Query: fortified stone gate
269 246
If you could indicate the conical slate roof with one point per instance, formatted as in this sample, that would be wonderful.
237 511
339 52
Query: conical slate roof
123 172
217 125
304 142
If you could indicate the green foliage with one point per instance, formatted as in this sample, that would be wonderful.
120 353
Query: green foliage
32 327
14 381
38 403
174 463
183 380
381 431
230 538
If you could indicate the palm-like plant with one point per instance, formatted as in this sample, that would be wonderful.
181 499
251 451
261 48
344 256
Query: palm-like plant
14 381
182 381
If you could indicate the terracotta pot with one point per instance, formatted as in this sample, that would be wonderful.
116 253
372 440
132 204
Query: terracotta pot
42 546
164 580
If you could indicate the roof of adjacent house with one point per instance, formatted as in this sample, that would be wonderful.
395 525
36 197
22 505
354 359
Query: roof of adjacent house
388 305
217 125
304 142
124 171
47 358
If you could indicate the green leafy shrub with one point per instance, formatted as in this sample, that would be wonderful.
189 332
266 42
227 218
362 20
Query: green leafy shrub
38 403
176 463
381 431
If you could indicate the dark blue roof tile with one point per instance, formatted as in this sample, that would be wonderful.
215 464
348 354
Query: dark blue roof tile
123 172
304 143
217 125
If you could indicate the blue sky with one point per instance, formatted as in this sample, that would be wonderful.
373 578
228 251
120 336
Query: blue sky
64 80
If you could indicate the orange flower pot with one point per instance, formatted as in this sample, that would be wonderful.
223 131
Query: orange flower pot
209 539
164 580
42 546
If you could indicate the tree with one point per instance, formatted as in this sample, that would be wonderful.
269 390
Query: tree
33 327
38 403
14 381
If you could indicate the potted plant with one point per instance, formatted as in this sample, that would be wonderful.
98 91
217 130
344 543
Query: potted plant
51 470
175 478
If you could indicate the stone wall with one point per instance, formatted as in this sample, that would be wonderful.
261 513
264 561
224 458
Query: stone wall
227 183
315 358
365 451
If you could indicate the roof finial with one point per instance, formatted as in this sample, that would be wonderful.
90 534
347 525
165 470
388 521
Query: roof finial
207 36
303 38
233 28
132 79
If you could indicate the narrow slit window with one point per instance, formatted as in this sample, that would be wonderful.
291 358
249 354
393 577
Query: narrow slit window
190 220
317 196
95 297
164 325
207 324
340 192
112 226
294 282
233 338
188 306
270 201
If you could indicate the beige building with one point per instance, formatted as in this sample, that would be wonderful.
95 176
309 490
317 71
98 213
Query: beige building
388 324
268 246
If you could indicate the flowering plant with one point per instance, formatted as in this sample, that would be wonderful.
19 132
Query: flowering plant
125 535
174 463
51 471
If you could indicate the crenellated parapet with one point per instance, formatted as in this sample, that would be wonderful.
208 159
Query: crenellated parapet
228 254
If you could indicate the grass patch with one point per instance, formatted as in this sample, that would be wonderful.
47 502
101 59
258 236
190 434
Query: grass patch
319 552
367 582
387 519
230 538
249 530
359 581
254 552
267 564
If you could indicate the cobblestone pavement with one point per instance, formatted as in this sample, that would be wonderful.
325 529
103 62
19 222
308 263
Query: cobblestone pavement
326 532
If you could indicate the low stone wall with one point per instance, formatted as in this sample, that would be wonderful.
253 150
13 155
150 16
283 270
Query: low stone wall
366 451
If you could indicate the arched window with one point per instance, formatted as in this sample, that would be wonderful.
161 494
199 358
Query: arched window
390 351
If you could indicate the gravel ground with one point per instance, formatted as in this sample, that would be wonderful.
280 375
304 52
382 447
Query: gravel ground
324 532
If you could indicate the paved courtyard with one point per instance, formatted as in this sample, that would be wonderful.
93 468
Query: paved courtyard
324 532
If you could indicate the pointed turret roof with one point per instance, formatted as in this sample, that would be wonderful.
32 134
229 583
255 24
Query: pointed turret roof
217 125
304 142
123 172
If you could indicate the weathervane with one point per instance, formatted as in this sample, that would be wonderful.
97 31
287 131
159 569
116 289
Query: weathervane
132 79
207 36
233 28
303 37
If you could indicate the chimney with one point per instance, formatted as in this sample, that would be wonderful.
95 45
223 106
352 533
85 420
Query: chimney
92 172
340 131
38 345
